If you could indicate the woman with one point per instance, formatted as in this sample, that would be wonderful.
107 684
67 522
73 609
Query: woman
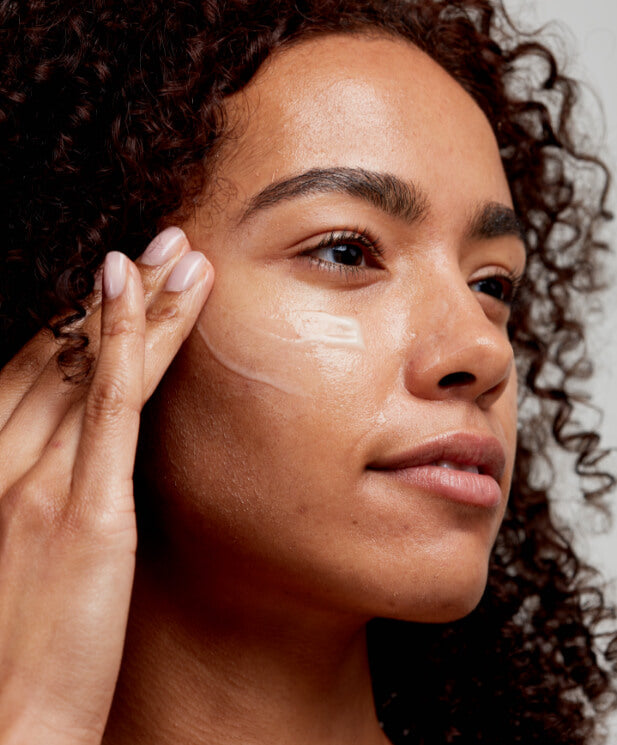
346 198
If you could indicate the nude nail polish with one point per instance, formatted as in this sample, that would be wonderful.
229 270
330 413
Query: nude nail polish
186 271
114 274
163 246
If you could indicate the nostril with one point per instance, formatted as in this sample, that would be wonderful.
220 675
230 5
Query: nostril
457 379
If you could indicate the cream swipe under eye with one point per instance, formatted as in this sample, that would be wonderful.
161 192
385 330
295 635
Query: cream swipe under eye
319 327
300 331
260 377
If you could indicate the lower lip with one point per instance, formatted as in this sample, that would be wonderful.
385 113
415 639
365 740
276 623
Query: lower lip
475 489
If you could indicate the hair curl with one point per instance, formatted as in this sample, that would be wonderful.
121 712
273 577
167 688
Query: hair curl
110 117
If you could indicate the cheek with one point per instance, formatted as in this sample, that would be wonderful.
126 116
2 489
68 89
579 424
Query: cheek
275 480
250 469
264 412
296 345
297 352
276 491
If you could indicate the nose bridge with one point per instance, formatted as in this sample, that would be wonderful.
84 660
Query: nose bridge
458 351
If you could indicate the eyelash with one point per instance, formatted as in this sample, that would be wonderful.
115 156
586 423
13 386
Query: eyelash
358 238
372 246
512 280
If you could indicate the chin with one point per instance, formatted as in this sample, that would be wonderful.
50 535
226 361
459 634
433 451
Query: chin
452 609
440 609
444 600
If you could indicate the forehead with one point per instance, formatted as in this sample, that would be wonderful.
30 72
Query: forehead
374 102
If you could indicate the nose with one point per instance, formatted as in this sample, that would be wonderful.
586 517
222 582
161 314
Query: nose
458 351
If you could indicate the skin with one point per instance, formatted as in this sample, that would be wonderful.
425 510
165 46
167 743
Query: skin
275 562
267 542
68 520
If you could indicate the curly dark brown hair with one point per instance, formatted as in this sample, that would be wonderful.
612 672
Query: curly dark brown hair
110 117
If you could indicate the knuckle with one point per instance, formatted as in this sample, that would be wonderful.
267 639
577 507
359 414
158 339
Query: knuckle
46 510
104 525
122 327
106 399
25 493
33 503
164 311
77 521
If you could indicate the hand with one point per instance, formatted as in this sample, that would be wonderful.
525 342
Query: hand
67 518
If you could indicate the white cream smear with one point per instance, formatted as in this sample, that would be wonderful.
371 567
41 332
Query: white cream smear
286 352
319 327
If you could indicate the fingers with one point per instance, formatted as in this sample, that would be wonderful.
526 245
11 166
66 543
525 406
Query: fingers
155 263
45 405
172 314
123 378
106 450
33 421
37 357
57 515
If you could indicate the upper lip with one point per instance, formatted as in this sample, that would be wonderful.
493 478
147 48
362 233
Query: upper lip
467 448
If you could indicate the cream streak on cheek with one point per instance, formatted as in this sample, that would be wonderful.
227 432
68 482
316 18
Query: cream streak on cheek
292 352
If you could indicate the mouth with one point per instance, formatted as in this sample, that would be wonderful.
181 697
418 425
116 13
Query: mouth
463 467
456 466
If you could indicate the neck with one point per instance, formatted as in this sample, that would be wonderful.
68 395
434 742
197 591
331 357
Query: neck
216 672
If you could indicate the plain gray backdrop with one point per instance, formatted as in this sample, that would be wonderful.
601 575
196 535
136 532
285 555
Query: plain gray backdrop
584 34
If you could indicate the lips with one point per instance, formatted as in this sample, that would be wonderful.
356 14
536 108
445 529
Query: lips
461 466
456 466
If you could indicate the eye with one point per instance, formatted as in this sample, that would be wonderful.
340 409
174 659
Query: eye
501 287
346 252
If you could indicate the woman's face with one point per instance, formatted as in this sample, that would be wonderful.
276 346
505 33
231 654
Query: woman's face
339 429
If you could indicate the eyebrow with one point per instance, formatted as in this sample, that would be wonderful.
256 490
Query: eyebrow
383 190
494 220
388 193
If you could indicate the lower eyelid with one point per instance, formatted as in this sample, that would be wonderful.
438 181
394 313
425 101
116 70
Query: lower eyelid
511 281
331 266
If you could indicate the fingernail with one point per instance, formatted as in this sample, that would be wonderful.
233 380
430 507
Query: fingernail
163 246
186 271
114 274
